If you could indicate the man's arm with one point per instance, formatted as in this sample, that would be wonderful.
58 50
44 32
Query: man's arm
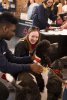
13 68
19 60
11 58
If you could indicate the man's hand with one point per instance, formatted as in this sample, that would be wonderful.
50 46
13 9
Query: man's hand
64 26
37 68
35 57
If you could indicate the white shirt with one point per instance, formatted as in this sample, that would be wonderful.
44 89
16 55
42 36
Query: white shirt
64 8
30 9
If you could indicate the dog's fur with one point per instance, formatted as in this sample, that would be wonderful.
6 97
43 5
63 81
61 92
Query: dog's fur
54 86
30 90
42 51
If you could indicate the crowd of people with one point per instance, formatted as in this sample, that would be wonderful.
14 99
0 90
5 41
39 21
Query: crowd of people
30 47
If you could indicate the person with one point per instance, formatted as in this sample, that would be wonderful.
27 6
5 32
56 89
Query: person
8 62
27 45
44 11
64 8
5 5
64 26
30 2
57 9
32 6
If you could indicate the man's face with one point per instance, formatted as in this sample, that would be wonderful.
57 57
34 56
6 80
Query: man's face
9 31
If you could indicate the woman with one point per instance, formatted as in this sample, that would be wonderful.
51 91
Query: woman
5 4
57 9
44 11
27 45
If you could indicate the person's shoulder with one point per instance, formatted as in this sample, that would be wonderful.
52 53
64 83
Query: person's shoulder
41 6
59 5
22 42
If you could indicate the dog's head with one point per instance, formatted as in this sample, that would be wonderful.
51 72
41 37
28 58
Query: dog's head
42 48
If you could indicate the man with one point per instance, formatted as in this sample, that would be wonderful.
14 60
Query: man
8 62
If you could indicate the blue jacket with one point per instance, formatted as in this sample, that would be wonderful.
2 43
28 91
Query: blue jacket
11 64
41 18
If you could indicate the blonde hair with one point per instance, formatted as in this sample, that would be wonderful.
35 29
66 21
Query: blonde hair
7 4
45 4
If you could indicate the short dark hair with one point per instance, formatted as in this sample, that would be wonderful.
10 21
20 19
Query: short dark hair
8 18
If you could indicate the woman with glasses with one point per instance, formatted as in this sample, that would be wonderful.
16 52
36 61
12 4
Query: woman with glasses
27 45
44 11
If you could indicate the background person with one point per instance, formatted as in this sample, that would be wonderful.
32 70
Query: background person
57 7
64 26
44 11
64 8
57 10
32 6
5 5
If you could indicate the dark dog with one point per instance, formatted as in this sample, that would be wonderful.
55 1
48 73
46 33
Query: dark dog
44 50
30 90
33 89
54 85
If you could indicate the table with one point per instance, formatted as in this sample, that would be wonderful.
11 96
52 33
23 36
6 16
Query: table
54 36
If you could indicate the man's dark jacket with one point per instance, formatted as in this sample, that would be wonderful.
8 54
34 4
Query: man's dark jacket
11 64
